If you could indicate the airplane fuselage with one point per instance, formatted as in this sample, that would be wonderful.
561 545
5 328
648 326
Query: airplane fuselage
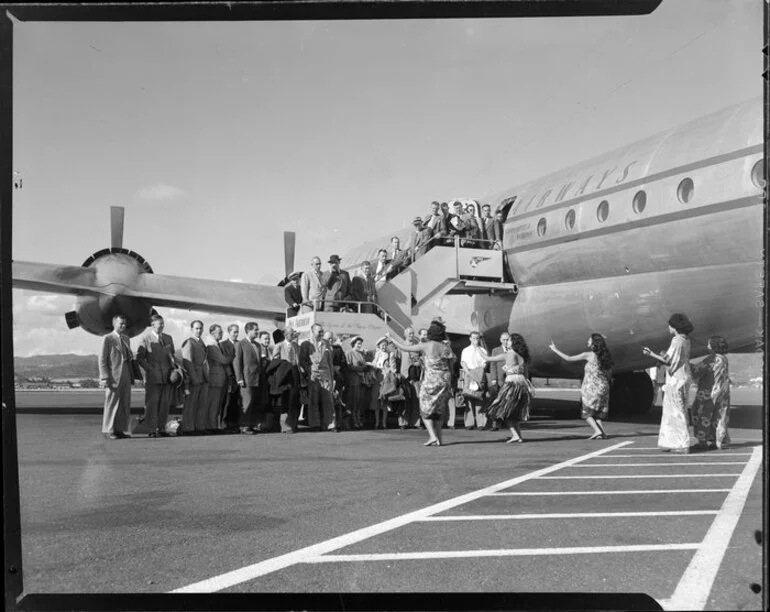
615 245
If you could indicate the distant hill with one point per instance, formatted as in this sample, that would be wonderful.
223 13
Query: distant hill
57 366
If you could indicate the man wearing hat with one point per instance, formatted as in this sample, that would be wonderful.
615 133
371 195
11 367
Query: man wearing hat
337 283
293 295
420 239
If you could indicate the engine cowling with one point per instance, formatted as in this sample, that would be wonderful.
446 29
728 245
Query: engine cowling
117 270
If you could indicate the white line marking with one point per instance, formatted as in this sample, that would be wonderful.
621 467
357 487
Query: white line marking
670 456
693 590
567 515
635 492
636 476
250 572
721 452
505 552
584 465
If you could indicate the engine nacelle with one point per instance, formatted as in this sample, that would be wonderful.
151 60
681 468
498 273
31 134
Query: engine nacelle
116 269
94 314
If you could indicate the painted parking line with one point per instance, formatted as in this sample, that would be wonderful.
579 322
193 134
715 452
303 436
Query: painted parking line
255 570
677 463
637 476
694 587
505 552
622 492
563 515
669 456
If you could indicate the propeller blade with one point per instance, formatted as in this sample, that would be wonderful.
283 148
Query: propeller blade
116 225
71 318
289 239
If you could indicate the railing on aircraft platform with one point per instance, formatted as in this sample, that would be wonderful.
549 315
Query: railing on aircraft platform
480 250
347 307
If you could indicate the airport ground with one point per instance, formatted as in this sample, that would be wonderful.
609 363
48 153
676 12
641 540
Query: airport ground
375 511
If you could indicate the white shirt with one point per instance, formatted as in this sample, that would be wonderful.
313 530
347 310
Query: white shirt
471 356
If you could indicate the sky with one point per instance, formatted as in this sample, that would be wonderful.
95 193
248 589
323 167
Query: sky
218 136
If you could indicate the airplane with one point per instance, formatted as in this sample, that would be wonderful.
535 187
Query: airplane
614 245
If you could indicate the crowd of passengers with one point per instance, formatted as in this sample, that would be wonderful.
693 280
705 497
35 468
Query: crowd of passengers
335 290
248 385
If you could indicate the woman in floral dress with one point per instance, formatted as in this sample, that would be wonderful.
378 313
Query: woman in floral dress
436 384
711 408
595 390
674 433
511 406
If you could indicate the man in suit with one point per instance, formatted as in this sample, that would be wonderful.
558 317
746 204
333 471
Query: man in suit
313 289
315 360
247 368
398 257
487 226
381 268
419 241
497 375
116 376
155 354
232 412
497 230
218 359
285 348
473 231
337 283
362 287
457 224
293 295
434 222
195 364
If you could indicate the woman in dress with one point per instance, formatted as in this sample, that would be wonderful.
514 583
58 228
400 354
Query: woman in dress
511 406
379 404
357 368
711 408
595 390
436 384
674 433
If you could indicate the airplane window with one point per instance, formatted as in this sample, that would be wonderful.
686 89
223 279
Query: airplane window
640 202
685 190
603 211
541 227
569 220
758 174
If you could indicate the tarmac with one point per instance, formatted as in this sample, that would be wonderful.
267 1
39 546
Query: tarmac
376 511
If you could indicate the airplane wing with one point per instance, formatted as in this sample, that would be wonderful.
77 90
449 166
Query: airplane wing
241 299
227 297
72 280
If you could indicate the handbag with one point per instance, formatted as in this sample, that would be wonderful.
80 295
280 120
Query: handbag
388 386
473 389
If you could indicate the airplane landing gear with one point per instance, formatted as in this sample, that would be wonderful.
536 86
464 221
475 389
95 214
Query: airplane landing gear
632 394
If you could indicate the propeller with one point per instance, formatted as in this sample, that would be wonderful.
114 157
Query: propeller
116 225
289 239
71 318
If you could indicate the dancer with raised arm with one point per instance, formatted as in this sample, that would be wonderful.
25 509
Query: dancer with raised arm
511 406
595 390
436 384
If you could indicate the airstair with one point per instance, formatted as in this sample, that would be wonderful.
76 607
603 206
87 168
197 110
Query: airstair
444 269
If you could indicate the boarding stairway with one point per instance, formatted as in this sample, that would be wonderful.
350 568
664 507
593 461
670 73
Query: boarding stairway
457 268
446 267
